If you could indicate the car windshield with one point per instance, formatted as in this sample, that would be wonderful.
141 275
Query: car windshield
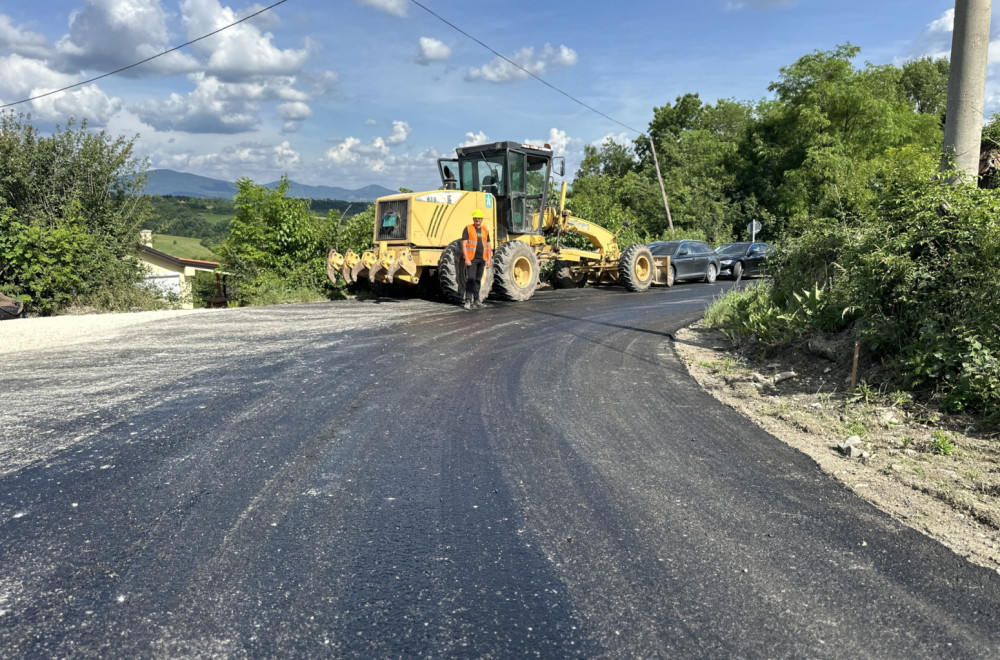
663 249
732 248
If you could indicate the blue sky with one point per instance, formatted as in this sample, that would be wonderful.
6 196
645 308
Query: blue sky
354 92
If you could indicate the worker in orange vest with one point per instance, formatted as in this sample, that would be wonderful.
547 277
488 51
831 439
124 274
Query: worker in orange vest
478 257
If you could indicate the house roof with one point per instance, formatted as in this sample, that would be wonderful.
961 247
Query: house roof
197 264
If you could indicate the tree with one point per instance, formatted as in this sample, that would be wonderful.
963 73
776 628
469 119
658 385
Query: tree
925 84
70 211
805 147
276 249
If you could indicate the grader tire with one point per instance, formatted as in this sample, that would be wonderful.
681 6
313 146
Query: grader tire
565 276
516 267
451 274
636 268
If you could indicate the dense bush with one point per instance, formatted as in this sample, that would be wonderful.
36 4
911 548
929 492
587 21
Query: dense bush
69 216
276 249
910 272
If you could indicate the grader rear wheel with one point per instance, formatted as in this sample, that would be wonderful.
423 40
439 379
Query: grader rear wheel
451 274
636 268
516 267
567 275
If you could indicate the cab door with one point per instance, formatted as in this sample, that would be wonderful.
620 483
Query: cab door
519 219
448 168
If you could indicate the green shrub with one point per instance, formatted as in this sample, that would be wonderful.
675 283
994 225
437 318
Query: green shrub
276 247
69 215
941 443
750 311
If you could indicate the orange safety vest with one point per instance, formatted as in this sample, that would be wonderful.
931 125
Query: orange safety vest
473 242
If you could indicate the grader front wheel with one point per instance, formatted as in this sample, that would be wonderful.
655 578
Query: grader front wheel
636 268
516 271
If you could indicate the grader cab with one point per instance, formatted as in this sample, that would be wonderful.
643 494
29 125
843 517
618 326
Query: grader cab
418 235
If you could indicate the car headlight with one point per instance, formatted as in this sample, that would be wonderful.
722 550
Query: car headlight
726 262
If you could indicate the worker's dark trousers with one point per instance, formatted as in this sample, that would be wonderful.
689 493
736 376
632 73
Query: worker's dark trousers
473 278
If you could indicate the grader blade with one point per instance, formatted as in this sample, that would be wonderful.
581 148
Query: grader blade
347 267
374 270
334 265
362 264
404 262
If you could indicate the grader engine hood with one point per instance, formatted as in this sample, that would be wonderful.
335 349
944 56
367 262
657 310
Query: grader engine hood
411 230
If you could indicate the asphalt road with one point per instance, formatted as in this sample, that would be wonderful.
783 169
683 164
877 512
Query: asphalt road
404 478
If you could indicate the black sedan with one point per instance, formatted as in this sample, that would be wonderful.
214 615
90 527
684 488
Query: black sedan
689 260
744 259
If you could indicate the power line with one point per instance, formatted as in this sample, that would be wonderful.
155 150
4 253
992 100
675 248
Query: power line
148 59
515 64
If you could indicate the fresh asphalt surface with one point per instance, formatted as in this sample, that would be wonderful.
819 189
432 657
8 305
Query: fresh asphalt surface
532 479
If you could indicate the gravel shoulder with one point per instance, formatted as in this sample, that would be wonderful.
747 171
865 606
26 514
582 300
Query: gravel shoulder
18 335
933 474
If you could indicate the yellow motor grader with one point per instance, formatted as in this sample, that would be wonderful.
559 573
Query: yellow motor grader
418 235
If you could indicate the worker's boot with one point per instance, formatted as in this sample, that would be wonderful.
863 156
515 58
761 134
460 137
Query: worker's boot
467 305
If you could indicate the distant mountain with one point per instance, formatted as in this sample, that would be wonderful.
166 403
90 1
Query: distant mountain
169 182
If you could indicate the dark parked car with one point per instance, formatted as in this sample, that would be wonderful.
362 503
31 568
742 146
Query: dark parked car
689 260
738 260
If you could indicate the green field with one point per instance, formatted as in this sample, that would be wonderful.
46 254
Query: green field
214 218
185 248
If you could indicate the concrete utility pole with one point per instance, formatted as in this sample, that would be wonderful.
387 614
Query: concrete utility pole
663 191
963 128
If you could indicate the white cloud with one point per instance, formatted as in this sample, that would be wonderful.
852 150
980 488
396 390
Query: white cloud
242 50
935 40
20 41
343 152
472 139
23 77
370 122
618 138
559 141
500 70
257 160
109 34
946 23
400 131
392 7
432 50
372 157
213 107
87 102
284 156
294 113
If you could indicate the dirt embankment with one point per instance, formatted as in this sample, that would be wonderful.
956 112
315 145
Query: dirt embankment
931 473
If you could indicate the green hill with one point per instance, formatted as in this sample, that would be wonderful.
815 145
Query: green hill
183 247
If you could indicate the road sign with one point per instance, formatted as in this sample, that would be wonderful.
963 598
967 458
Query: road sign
753 227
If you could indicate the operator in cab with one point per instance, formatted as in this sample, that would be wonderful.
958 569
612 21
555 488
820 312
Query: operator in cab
478 248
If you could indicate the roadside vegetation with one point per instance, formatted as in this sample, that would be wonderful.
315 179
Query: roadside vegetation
841 168
70 212
839 165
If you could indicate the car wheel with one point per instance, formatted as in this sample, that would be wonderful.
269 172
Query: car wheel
710 274
671 276
737 270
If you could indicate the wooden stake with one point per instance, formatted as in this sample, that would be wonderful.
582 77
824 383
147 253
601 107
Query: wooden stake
854 371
